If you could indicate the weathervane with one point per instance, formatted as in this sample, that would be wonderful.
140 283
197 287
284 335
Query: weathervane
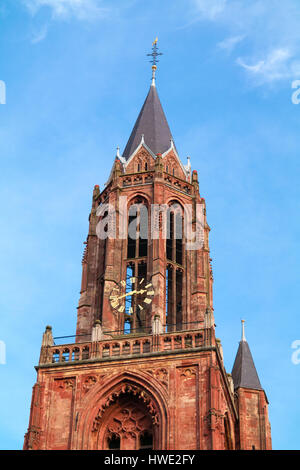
154 59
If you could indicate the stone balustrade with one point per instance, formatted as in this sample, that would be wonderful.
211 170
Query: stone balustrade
133 179
127 346
178 183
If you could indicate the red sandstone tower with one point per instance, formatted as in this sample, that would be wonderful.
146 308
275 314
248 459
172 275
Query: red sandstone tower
145 370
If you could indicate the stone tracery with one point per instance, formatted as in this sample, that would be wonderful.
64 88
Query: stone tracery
126 389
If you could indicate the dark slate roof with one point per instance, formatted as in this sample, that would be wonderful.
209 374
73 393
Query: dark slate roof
153 124
244 372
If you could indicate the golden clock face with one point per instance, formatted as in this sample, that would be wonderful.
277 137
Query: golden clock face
132 296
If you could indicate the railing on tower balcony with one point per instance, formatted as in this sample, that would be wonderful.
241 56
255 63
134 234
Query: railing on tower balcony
132 179
127 346
178 183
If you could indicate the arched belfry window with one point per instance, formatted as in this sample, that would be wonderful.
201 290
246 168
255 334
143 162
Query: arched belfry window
134 317
105 220
174 242
137 241
136 268
174 267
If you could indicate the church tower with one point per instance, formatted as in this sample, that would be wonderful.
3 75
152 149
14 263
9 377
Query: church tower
145 370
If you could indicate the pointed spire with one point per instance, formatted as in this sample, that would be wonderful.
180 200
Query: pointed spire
244 373
151 123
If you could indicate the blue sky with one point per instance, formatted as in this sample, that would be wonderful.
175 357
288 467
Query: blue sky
76 75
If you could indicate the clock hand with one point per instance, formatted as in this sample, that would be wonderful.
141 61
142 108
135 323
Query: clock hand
142 291
125 295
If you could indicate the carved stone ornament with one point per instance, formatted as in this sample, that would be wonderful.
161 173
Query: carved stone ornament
64 384
161 375
188 372
88 383
122 390
33 437
130 421
214 419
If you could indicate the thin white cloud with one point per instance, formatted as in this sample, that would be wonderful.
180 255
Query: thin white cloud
210 9
229 43
272 28
63 9
40 35
276 66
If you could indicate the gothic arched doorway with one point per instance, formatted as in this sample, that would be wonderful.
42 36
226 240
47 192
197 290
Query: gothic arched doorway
126 425
126 412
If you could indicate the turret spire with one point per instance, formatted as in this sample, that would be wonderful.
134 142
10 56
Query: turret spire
244 373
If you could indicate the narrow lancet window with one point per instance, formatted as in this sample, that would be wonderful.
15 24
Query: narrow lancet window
174 269
137 243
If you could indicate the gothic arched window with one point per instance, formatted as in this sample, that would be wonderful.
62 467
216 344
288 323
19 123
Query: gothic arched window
174 242
174 268
137 241
137 252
